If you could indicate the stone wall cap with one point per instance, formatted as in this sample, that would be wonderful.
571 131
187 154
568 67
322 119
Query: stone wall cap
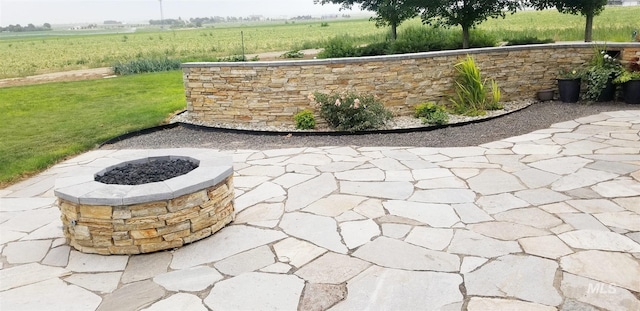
410 56
213 168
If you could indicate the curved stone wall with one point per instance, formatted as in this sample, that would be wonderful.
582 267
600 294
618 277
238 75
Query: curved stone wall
270 93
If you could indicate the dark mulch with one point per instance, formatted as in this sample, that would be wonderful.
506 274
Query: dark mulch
147 172
535 117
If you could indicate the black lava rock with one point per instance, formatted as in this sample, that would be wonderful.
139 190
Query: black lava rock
142 173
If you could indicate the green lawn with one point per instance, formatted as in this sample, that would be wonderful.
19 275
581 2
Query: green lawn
42 124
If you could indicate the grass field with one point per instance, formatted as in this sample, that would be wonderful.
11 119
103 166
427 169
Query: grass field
42 124
57 51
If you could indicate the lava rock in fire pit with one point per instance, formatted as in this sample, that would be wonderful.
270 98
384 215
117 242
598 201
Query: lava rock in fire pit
148 172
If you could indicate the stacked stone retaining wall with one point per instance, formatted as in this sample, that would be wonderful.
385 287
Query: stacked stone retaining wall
270 93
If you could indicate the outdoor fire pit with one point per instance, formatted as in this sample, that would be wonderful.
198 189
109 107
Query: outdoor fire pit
155 215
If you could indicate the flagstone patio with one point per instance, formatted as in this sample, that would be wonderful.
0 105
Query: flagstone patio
544 221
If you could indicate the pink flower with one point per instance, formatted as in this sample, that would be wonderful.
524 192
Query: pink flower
338 103
356 103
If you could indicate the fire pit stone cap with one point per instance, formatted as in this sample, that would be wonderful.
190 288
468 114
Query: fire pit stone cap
213 168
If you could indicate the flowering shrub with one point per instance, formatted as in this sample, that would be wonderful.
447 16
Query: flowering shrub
603 68
351 112
570 74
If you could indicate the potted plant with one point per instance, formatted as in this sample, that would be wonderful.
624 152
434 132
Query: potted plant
603 69
630 80
569 85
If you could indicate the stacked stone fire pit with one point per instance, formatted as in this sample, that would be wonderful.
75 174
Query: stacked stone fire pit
132 219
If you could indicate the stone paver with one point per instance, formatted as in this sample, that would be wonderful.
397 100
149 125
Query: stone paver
318 297
146 266
435 215
320 230
602 240
608 267
377 288
26 252
256 291
132 296
483 304
211 250
602 295
98 282
356 233
543 221
401 255
296 252
53 294
191 279
179 301
527 278
248 261
332 268
548 246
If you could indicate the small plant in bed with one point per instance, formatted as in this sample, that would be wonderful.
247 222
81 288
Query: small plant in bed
305 120
350 111
432 113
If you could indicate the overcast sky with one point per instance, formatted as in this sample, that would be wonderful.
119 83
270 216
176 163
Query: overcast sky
38 12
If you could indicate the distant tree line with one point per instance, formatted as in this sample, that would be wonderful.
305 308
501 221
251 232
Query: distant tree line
466 13
30 27
199 21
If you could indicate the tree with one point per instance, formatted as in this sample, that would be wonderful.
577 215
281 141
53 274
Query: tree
388 12
465 13
587 8
47 26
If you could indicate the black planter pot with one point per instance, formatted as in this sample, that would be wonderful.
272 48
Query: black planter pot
631 92
569 90
608 93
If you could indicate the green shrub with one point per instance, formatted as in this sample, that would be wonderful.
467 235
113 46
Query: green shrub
341 46
145 65
324 24
477 39
351 112
293 54
373 49
412 39
432 113
527 40
472 93
305 120
232 59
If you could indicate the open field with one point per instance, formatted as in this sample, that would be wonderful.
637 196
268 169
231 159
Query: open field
58 51
50 54
613 24
42 124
